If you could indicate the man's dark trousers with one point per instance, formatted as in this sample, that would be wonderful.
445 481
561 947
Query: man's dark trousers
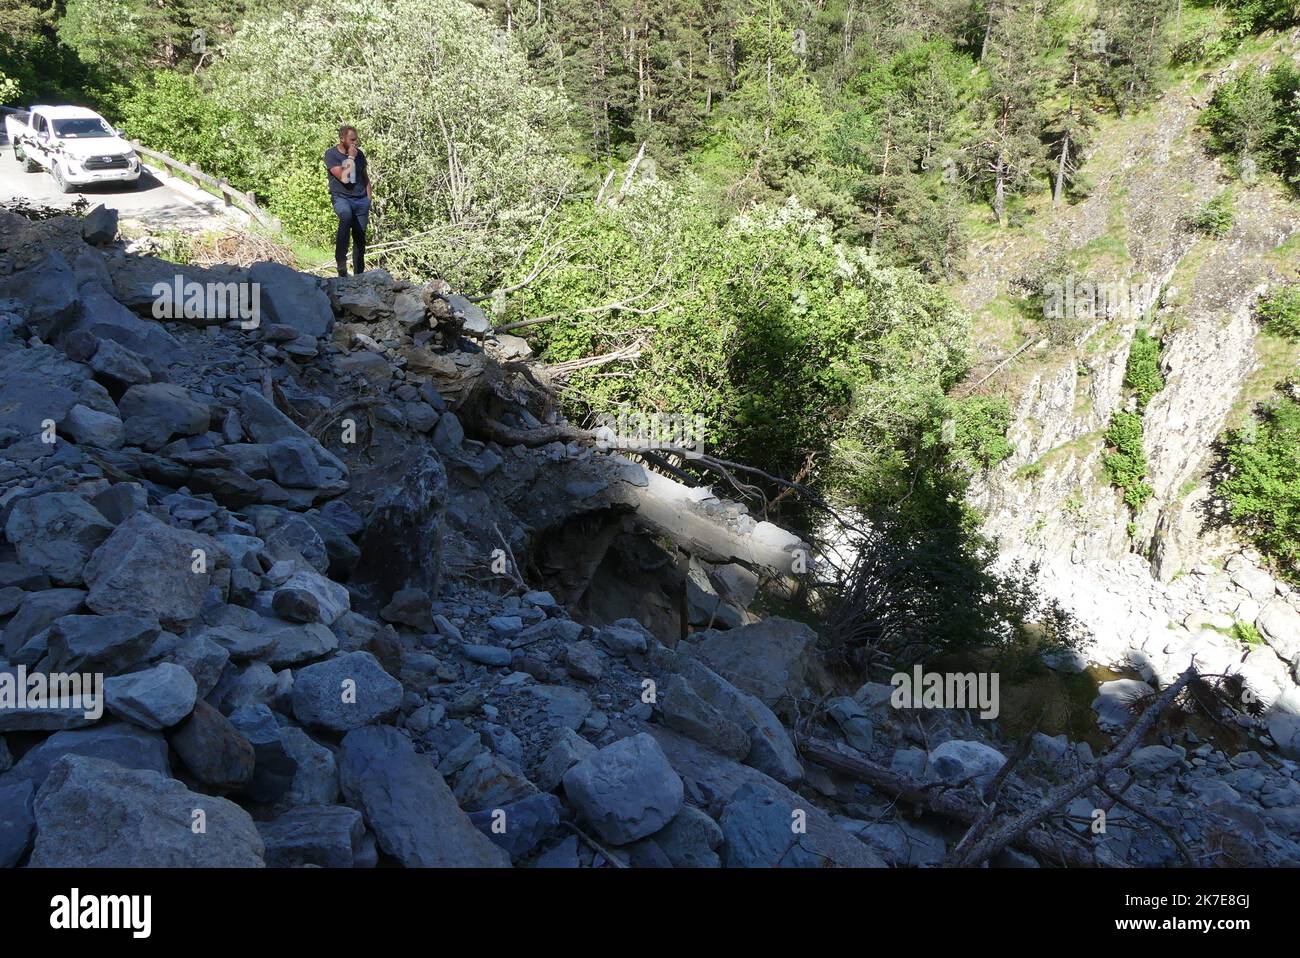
353 216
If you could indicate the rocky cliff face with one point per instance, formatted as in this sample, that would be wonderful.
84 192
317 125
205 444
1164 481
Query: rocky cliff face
1051 497
1160 586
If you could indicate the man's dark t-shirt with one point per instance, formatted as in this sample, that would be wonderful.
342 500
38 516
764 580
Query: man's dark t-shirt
354 190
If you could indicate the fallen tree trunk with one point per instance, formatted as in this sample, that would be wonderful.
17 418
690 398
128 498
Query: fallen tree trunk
947 804
998 838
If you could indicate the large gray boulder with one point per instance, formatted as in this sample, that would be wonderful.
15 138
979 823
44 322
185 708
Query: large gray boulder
292 299
957 761
1114 702
119 742
106 318
298 644
37 385
331 599
770 749
685 712
1279 624
37 611
273 767
91 813
691 839
100 643
489 781
768 659
155 412
90 427
519 827
407 804
316 776
214 751
345 692
293 463
328 836
156 698
46 294
147 566
99 226
627 790
57 533
402 543
266 424
762 828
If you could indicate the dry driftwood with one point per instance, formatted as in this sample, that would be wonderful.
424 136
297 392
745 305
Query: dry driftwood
984 839
1020 824
949 803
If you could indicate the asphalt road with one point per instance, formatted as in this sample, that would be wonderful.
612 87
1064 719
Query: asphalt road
151 202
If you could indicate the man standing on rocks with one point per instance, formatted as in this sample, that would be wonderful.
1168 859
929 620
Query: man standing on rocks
349 183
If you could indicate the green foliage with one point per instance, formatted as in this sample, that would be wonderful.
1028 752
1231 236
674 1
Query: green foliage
980 435
1255 119
303 208
1126 463
1215 217
1246 633
787 343
106 33
1258 15
8 89
1142 373
1279 311
175 113
1262 483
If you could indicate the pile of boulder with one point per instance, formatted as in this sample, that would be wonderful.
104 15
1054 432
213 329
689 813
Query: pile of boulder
334 629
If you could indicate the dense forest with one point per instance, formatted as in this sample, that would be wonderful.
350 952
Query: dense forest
745 210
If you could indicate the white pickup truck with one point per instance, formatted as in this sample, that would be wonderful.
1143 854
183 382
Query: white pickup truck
76 145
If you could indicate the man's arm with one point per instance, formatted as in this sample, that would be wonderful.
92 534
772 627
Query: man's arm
335 171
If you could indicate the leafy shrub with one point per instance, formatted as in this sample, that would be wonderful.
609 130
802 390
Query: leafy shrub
1262 482
1279 311
301 203
980 435
1258 15
1246 633
1215 217
8 89
1254 117
1142 373
174 113
1126 465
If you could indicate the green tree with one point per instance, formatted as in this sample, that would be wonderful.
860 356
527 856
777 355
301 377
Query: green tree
468 151
1262 484
1126 463
1007 145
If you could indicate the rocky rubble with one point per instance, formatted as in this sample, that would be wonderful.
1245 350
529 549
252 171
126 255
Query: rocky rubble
336 629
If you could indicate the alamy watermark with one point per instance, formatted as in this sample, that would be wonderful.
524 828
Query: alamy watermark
76 911
1077 298
671 432
56 691
190 299
946 690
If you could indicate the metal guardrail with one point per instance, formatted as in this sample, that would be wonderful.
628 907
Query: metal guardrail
220 187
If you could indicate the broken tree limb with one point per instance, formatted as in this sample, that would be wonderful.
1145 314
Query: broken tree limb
1020 824
992 794
536 436
948 804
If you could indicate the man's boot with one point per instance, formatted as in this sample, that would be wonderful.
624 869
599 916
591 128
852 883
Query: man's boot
342 267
